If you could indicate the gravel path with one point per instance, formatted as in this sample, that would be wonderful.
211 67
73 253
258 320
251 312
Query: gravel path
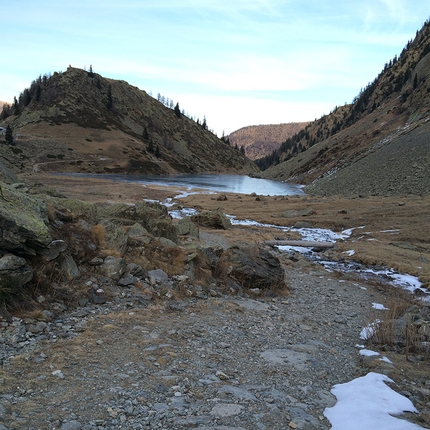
209 363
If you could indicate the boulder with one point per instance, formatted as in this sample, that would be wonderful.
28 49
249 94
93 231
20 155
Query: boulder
69 268
186 227
23 222
55 248
157 276
138 235
14 274
113 267
212 219
251 267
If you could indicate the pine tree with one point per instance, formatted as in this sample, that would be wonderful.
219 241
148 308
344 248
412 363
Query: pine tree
9 135
145 134
177 110
157 152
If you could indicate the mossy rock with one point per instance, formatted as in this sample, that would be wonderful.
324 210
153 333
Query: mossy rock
23 222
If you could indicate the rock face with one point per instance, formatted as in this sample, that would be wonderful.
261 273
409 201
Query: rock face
251 267
23 222
212 219
14 273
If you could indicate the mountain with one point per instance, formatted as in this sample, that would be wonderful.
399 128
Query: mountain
379 144
260 140
79 121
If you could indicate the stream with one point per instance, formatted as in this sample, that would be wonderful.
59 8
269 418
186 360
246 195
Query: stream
378 273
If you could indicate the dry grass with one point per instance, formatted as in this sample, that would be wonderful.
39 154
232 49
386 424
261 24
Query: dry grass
397 327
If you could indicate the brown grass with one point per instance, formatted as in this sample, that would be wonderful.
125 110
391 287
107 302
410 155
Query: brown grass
388 333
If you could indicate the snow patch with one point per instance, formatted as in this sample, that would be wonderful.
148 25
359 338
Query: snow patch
369 403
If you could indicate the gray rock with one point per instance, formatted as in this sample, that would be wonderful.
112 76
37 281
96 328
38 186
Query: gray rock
69 268
226 410
134 269
212 219
113 267
251 266
126 281
166 242
241 393
23 222
186 227
14 273
138 235
55 248
157 276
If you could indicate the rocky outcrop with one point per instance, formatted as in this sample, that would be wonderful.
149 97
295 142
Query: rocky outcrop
212 219
14 274
23 222
7 175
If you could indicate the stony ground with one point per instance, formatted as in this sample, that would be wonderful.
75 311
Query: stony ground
215 362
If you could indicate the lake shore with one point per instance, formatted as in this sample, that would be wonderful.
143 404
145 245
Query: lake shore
390 233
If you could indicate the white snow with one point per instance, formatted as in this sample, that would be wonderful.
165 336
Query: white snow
368 352
367 332
368 403
349 253
379 307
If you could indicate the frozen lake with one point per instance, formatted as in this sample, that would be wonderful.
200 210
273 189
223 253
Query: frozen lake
240 184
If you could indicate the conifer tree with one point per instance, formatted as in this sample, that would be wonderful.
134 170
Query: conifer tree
9 135
177 110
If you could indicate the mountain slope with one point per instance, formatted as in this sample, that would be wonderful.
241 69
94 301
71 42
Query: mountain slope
386 127
260 140
80 121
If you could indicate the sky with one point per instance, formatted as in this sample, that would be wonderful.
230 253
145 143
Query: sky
237 63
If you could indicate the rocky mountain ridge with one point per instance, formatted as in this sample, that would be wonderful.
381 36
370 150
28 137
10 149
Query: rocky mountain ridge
376 145
260 140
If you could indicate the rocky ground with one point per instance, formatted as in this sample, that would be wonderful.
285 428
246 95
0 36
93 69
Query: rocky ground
155 355
213 362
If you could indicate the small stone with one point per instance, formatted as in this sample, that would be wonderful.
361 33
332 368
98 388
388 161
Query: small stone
58 373
292 425
222 375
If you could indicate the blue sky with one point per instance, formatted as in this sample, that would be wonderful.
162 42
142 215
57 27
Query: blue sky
236 62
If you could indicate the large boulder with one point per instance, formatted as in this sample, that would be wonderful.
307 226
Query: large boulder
250 266
14 273
23 222
186 227
212 219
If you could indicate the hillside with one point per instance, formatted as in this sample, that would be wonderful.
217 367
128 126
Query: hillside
377 145
80 121
260 140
